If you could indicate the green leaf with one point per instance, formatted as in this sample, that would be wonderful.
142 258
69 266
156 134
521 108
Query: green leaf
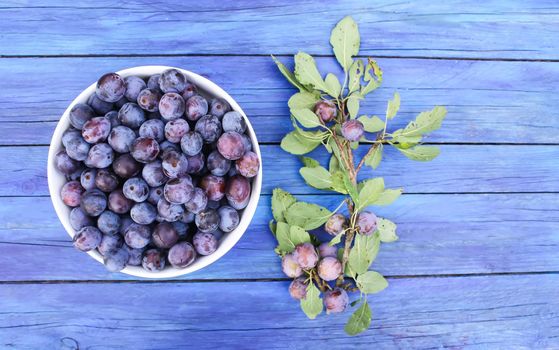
333 85
294 143
393 106
306 215
309 162
309 135
387 230
306 117
373 159
288 74
360 320
338 184
272 225
345 41
307 73
363 252
297 235
334 165
282 235
317 177
420 153
372 124
350 187
289 237
312 303
370 192
303 100
424 123
353 106
281 200
373 80
387 197
337 239
409 140
354 145
355 74
371 282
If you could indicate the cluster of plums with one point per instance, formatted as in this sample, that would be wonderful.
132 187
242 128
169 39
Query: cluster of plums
157 173
352 129
324 258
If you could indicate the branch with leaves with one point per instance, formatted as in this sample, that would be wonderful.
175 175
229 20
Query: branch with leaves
325 112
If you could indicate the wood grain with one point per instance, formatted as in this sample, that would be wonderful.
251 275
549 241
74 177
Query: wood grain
428 313
488 102
490 29
439 234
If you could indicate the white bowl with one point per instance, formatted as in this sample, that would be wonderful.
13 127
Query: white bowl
56 180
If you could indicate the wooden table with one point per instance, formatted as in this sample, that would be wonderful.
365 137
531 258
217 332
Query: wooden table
477 260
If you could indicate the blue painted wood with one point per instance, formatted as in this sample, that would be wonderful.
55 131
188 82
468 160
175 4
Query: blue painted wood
491 29
439 234
457 169
510 312
488 102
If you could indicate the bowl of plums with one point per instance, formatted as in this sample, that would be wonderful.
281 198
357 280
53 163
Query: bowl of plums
154 171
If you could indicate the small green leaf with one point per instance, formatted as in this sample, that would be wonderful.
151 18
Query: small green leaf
345 41
317 177
312 303
306 117
372 124
334 165
363 252
354 145
309 162
333 85
393 106
288 74
424 123
387 197
337 239
387 230
297 235
306 215
371 282
353 106
272 225
350 187
307 73
360 320
338 184
294 143
373 159
281 200
370 192
303 100
373 80
355 74
282 235
420 153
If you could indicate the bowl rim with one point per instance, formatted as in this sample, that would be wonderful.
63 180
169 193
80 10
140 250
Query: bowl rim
56 180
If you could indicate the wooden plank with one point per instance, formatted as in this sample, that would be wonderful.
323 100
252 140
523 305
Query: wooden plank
459 168
492 29
488 102
439 234
503 312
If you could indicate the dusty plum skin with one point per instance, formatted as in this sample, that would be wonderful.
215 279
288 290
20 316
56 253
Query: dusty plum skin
157 172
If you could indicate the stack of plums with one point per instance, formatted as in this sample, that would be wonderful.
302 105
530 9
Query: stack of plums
157 173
